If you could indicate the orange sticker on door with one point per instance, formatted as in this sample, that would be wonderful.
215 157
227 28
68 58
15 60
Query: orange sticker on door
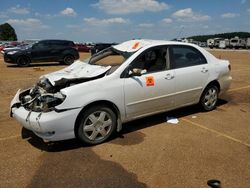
150 81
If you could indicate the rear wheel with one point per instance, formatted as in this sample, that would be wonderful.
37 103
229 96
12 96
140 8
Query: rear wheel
23 61
96 125
209 98
68 59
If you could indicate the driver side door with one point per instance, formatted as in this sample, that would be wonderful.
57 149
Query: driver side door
152 91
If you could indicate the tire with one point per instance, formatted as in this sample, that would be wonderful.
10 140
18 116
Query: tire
209 98
96 125
68 59
23 61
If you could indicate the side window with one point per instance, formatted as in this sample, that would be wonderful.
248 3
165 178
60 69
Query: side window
152 60
185 56
50 44
39 45
54 44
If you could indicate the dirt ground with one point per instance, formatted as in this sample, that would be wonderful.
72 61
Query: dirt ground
148 153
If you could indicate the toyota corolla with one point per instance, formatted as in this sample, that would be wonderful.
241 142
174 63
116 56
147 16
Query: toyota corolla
91 99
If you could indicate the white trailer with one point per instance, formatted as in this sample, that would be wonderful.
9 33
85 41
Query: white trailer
223 44
248 43
217 42
237 42
210 43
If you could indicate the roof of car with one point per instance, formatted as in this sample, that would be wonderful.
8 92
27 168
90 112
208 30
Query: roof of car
135 45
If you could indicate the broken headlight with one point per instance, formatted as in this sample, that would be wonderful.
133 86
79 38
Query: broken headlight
45 102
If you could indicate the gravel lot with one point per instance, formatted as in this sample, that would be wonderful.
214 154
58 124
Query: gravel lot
148 153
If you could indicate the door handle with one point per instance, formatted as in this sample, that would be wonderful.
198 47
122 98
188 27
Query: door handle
204 70
169 77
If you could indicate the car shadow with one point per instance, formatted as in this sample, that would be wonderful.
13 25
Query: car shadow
122 138
58 146
161 118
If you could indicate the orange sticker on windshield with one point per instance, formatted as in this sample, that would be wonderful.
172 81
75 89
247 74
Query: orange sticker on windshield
150 81
136 45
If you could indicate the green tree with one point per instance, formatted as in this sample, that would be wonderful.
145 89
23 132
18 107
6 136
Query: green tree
7 32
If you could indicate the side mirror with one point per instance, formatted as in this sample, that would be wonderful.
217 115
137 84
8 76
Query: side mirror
137 72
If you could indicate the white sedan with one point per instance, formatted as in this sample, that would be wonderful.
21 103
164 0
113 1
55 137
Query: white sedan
90 99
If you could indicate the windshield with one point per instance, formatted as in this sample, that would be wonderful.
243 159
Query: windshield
109 57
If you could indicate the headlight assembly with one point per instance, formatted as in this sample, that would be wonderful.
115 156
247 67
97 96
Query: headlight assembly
46 102
11 52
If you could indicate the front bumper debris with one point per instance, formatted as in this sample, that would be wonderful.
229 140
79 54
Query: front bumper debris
51 126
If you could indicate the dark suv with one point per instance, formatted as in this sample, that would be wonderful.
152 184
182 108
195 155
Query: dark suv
62 51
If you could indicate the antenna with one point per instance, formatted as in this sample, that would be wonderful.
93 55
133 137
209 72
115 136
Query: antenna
181 29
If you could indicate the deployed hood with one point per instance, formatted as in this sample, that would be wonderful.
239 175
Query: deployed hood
77 70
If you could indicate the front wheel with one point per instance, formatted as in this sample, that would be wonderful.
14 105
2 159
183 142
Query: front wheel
96 125
209 98
23 61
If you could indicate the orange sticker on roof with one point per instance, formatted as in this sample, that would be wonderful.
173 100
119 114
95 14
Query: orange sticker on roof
136 45
150 81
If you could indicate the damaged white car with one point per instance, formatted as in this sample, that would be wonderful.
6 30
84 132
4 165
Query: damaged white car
90 99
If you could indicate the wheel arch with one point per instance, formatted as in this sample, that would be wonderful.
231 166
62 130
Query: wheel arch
105 103
66 52
23 56
68 55
214 82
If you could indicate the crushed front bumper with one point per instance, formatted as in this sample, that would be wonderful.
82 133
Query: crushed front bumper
50 126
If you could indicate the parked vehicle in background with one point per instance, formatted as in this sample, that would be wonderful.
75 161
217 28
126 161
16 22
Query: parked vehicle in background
99 47
234 42
237 43
30 41
217 42
90 100
6 45
248 43
62 51
18 47
202 44
82 48
2 46
224 43
210 43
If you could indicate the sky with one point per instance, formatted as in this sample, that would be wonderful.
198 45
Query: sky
121 20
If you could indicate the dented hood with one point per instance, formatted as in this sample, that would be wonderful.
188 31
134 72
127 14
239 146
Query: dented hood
76 70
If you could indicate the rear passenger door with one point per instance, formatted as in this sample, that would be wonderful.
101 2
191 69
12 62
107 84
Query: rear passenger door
191 73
